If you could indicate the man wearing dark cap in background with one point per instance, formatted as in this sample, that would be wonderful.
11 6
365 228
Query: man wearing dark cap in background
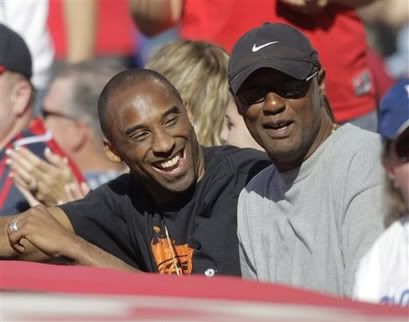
17 127
307 219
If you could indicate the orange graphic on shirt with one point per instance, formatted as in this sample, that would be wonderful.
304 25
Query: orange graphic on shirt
168 256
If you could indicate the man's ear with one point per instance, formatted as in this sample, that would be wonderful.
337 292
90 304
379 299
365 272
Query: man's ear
21 95
110 152
321 81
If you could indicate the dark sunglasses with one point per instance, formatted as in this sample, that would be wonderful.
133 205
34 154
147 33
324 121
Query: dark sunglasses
289 89
402 146
57 114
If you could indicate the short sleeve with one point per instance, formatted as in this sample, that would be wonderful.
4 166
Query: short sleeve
99 219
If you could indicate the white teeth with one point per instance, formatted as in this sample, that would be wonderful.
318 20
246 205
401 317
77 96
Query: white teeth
170 163
280 127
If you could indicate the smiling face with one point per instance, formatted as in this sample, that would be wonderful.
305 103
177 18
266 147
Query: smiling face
150 130
289 129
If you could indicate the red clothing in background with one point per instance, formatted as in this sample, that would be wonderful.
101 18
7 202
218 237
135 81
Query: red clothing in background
336 32
115 31
382 80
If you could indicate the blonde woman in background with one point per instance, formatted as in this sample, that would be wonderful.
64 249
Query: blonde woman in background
199 71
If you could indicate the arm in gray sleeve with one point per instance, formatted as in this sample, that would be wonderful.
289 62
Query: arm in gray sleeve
246 264
363 215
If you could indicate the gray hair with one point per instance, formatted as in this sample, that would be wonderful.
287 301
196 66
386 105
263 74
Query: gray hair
87 81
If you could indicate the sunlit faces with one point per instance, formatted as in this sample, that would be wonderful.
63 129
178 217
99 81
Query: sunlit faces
151 132
289 129
234 131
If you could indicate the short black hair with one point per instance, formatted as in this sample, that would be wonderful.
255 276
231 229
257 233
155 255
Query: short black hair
122 81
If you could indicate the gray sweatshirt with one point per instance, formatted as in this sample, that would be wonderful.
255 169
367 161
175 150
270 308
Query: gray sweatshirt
310 226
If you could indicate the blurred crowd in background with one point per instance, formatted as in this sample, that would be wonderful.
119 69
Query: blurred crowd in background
73 31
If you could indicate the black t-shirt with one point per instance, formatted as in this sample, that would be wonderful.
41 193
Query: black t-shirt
198 234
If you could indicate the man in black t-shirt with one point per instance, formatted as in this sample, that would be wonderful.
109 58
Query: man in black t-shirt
175 212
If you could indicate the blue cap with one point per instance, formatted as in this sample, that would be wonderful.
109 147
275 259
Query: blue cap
394 110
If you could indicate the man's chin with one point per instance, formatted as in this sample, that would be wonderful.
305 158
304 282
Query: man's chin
173 193
181 186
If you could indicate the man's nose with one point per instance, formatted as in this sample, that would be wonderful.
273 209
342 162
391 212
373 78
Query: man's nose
163 142
273 103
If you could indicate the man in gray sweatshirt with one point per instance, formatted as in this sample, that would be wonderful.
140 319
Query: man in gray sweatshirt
307 219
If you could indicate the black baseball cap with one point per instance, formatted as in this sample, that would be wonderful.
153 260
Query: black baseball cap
272 45
14 53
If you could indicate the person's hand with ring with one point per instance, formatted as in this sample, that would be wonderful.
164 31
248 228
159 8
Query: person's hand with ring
40 228
13 226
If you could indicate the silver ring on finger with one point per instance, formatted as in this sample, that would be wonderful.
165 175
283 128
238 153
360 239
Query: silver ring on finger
13 226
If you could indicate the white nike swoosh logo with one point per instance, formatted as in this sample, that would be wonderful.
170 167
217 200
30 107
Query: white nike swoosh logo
257 48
